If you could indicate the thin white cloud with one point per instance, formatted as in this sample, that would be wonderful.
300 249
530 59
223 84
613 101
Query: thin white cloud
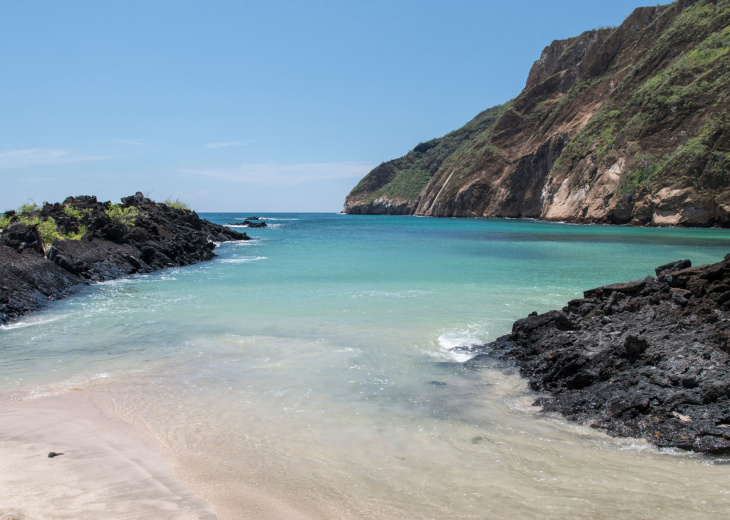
132 142
276 174
36 156
213 146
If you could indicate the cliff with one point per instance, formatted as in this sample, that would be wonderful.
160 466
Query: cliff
47 252
623 125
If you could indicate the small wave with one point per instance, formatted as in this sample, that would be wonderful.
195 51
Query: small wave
269 226
414 293
459 344
119 281
261 218
235 244
242 260
28 323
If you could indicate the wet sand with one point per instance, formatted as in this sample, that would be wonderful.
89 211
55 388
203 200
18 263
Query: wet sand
107 470
110 469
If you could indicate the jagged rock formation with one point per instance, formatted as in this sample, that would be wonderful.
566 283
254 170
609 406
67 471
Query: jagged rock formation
647 359
46 252
622 125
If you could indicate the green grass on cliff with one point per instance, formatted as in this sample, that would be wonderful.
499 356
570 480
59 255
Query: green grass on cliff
691 91
406 185
663 115
406 177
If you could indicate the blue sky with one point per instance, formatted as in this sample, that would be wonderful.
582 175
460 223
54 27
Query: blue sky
252 105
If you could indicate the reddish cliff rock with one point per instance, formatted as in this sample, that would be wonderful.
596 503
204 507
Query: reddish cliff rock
623 125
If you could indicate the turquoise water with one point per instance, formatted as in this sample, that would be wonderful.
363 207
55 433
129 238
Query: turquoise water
319 351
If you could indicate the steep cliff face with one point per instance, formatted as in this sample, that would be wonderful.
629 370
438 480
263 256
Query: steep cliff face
394 187
622 125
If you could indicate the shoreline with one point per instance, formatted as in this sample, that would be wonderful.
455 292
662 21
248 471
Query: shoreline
642 359
212 428
47 253
577 222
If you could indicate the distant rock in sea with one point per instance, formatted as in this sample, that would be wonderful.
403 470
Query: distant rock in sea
248 223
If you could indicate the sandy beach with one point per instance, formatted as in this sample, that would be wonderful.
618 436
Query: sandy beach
111 469
107 470
274 383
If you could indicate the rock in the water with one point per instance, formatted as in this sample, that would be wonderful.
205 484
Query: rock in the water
260 224
648 359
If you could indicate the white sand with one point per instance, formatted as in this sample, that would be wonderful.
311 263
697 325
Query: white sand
108 470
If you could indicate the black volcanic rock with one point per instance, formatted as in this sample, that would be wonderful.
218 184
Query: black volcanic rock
248 223
648 358
21 237
260 224
33 272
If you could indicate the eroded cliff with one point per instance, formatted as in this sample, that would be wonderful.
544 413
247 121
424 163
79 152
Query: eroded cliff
621 125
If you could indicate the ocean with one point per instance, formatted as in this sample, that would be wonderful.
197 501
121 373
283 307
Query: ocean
309 373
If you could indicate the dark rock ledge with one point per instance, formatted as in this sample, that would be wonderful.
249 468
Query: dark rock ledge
647 359
33 272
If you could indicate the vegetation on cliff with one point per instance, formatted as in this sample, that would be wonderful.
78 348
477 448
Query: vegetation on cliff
402 180
624 124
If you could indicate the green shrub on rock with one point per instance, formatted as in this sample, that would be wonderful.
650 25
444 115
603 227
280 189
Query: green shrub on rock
76 213
48 231
28 220
5 221
27 208
74 235
177 204
120 215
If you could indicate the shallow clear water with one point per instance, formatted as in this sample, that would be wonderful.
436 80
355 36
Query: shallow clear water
313 365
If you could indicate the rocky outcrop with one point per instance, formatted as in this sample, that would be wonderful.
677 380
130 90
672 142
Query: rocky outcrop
648 358
87 241
622 125
252 223
382 206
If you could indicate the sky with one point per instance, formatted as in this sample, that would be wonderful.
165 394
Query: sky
252 106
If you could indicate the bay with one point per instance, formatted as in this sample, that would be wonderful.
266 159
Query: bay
308 373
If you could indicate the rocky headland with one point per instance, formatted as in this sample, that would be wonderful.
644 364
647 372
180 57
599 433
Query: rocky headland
647 359
46 252
621 125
